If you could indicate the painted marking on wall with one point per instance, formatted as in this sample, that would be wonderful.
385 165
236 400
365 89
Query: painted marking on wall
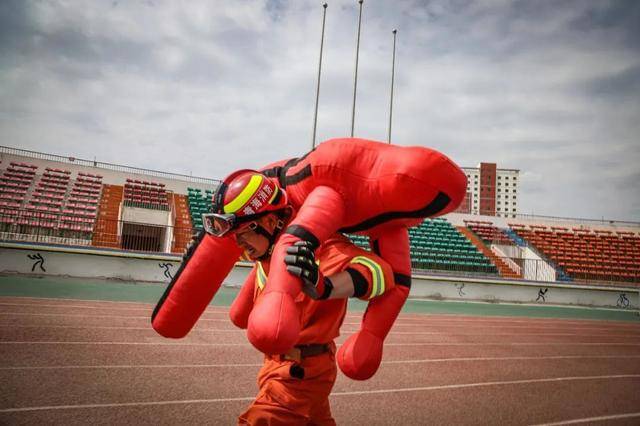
39 261
167 267
623 301
541 295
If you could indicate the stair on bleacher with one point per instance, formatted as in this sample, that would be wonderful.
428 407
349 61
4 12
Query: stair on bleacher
515 238
106 229
503 269
183 229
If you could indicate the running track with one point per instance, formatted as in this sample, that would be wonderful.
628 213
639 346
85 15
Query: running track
78 362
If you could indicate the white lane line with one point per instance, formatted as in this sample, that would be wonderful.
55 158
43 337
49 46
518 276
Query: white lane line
438 333
408 361
105 304
43 305
133 366
334 394
513 344
147 318
124 404
56 299
123 343
52 342
237 330
405 316
419 319
226 320
511 358
475 385
33 314
148 328
592 419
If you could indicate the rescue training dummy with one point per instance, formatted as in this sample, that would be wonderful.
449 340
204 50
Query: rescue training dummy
345 185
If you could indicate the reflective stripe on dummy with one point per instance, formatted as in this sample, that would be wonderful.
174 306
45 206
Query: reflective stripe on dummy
377 275
194 285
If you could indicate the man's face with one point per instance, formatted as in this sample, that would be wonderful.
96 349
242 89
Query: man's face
255 245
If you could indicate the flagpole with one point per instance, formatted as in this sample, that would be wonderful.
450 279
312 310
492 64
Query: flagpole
315 116
393 69
355 82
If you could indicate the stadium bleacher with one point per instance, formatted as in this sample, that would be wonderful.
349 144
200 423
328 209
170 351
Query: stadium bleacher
45 203
80 211
199 203
16 180
585 253
146 194
488 232
62 205
438 245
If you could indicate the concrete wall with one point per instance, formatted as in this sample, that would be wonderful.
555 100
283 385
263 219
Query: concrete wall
539 293
96 263
103 263
145 216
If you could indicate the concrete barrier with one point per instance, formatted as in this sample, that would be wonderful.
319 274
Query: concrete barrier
84 262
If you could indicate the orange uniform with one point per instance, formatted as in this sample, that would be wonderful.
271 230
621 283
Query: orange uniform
294 388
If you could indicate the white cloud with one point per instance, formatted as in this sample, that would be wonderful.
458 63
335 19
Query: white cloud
208 87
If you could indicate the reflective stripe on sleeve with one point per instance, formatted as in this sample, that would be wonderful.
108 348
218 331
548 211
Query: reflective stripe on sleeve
261 277
376 273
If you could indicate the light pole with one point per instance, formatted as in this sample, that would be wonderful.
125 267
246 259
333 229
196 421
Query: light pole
393 69
315 116
355 82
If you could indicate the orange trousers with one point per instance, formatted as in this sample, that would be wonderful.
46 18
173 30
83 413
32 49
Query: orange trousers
286 400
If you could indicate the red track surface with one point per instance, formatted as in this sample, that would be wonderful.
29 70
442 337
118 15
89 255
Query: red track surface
78 362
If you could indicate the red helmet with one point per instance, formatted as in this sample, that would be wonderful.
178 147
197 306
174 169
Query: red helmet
243 197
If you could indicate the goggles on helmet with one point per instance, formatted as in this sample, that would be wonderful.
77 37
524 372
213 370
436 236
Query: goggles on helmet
241 198
220 224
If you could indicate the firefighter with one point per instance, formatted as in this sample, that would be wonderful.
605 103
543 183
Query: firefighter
294 387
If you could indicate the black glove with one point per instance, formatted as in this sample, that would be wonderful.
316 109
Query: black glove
301 262
193 243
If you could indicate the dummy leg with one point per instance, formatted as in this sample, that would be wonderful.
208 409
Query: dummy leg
207 264
243 303
360 355
274 323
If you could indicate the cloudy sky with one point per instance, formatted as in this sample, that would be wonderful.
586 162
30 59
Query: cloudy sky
205 87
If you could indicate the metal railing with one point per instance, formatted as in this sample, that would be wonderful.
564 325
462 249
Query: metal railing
528 270
146 205
574 220
106 166
51 228
56 228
